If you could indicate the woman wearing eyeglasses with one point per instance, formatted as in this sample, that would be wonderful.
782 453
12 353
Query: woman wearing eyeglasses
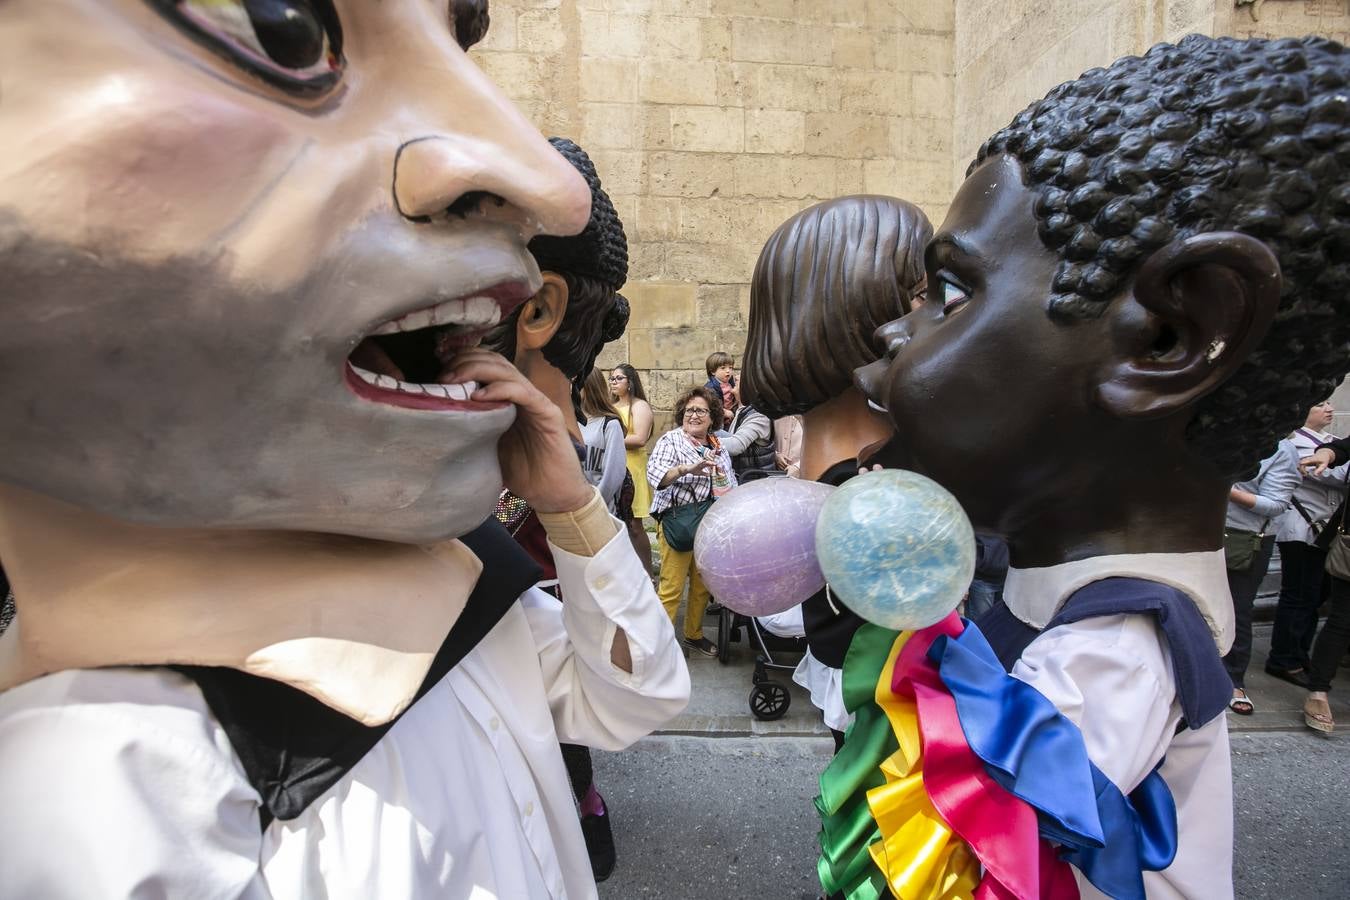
636 415
688 466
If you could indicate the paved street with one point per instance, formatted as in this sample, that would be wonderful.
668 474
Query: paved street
715 818
723 809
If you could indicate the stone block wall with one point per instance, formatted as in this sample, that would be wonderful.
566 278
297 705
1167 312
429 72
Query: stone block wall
712 121
1009 53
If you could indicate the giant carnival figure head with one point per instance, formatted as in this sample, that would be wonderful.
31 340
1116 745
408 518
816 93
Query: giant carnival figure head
559 332
1141 285
240 242
826 279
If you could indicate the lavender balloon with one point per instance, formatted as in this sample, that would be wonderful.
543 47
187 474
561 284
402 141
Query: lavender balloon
756 547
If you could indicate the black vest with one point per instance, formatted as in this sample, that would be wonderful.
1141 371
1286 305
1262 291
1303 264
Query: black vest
293 747
760 454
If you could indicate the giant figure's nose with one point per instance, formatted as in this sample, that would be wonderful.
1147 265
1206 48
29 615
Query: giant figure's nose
891 338
472 143
541 191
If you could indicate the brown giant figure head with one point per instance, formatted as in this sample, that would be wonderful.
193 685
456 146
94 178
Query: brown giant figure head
1142 284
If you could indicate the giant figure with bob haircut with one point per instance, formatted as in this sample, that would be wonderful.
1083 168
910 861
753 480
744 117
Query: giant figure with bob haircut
268 641
1139 288
826 279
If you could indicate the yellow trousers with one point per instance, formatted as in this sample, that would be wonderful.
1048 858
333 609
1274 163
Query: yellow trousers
676 568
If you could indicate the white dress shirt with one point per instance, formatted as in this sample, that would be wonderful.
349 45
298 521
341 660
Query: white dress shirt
119 782
1112 676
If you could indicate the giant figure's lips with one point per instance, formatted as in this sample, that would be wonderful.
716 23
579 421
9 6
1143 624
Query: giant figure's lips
405 361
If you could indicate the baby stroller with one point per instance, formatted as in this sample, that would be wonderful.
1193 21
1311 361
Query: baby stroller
769 699
777 645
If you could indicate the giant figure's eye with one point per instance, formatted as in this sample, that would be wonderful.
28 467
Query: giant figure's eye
294 44
953 296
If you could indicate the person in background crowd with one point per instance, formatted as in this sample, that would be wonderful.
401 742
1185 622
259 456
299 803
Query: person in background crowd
825 281
787 439
606 464
749 436
1303 555
721 377
1253 506
630 402
688 465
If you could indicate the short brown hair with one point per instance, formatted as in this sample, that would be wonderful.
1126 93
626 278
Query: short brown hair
825 281
717 361
714 405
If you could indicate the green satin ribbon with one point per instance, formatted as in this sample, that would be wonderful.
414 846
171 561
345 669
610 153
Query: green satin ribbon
847 826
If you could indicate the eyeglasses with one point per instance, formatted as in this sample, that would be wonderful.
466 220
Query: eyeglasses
695 413
614 378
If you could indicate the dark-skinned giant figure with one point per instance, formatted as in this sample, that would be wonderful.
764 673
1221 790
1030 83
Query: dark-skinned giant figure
265 646
1139 288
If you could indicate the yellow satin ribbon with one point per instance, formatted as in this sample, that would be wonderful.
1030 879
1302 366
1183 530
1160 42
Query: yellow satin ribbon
920 856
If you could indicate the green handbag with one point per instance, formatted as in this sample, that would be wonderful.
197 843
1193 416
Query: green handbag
1240 548
679 524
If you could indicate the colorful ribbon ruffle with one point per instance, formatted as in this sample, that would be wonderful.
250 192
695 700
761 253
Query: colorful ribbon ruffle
959 781
1014 730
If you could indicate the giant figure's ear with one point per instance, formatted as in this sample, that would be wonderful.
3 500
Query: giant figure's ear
542 315
1199 307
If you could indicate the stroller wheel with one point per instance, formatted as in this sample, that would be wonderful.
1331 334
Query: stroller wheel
769 701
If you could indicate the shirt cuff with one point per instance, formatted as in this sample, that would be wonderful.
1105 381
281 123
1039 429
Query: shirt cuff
582 532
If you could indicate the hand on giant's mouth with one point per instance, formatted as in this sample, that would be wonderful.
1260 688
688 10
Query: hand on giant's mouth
538 460
404 360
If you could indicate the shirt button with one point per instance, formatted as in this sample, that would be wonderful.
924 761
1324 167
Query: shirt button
529 808
602 582
495 723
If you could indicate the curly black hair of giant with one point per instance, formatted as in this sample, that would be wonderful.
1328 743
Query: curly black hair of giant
1210 134
594 264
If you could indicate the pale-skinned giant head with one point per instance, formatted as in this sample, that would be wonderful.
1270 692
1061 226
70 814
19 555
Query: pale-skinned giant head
212 212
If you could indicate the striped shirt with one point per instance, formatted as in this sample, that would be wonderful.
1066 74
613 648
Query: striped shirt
675 448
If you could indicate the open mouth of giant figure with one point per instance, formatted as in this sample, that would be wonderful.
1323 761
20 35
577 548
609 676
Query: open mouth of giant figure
408 361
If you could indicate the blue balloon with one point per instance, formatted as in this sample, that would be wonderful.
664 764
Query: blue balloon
897 548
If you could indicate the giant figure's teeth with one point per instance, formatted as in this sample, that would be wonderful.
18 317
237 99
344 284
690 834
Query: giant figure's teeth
384 381
477 311
367 376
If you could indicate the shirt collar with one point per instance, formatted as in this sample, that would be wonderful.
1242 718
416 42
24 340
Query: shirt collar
318 633
1035 595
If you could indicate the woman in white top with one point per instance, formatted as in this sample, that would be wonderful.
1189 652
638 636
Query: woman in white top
1253 508
1315 501
606 461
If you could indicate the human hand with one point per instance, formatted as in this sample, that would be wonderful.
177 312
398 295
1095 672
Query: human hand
1318 462
705 466
538 461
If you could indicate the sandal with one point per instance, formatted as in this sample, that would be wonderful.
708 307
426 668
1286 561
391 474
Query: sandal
1317 715
702 645
1241 703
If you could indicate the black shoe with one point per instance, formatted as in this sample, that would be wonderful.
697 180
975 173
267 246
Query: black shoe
599 844
702 645
1296 677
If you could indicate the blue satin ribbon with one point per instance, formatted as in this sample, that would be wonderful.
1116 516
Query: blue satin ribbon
1038 755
